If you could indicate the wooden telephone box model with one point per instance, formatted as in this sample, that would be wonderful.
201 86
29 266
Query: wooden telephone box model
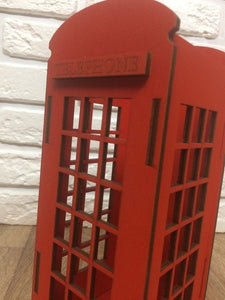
132 162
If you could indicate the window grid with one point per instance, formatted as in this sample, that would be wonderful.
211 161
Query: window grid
189 181
88 201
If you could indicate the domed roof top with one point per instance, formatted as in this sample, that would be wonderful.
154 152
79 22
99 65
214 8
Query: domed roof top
114 27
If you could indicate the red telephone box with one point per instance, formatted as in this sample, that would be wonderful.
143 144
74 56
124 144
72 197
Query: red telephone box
132 161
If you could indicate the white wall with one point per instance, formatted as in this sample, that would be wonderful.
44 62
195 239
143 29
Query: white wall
26 27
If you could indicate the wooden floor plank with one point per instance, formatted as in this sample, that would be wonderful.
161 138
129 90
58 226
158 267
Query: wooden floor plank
216 282
9 258
14 236
21 283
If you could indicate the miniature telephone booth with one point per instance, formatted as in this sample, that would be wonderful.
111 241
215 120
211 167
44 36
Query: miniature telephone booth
132 160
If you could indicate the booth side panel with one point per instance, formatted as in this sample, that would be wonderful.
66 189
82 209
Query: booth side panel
191 176
47 196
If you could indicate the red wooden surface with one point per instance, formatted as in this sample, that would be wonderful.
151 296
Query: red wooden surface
191 176
166 152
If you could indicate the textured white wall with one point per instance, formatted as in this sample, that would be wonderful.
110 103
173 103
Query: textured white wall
26 27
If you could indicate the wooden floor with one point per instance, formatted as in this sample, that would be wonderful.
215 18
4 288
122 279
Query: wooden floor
16 260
